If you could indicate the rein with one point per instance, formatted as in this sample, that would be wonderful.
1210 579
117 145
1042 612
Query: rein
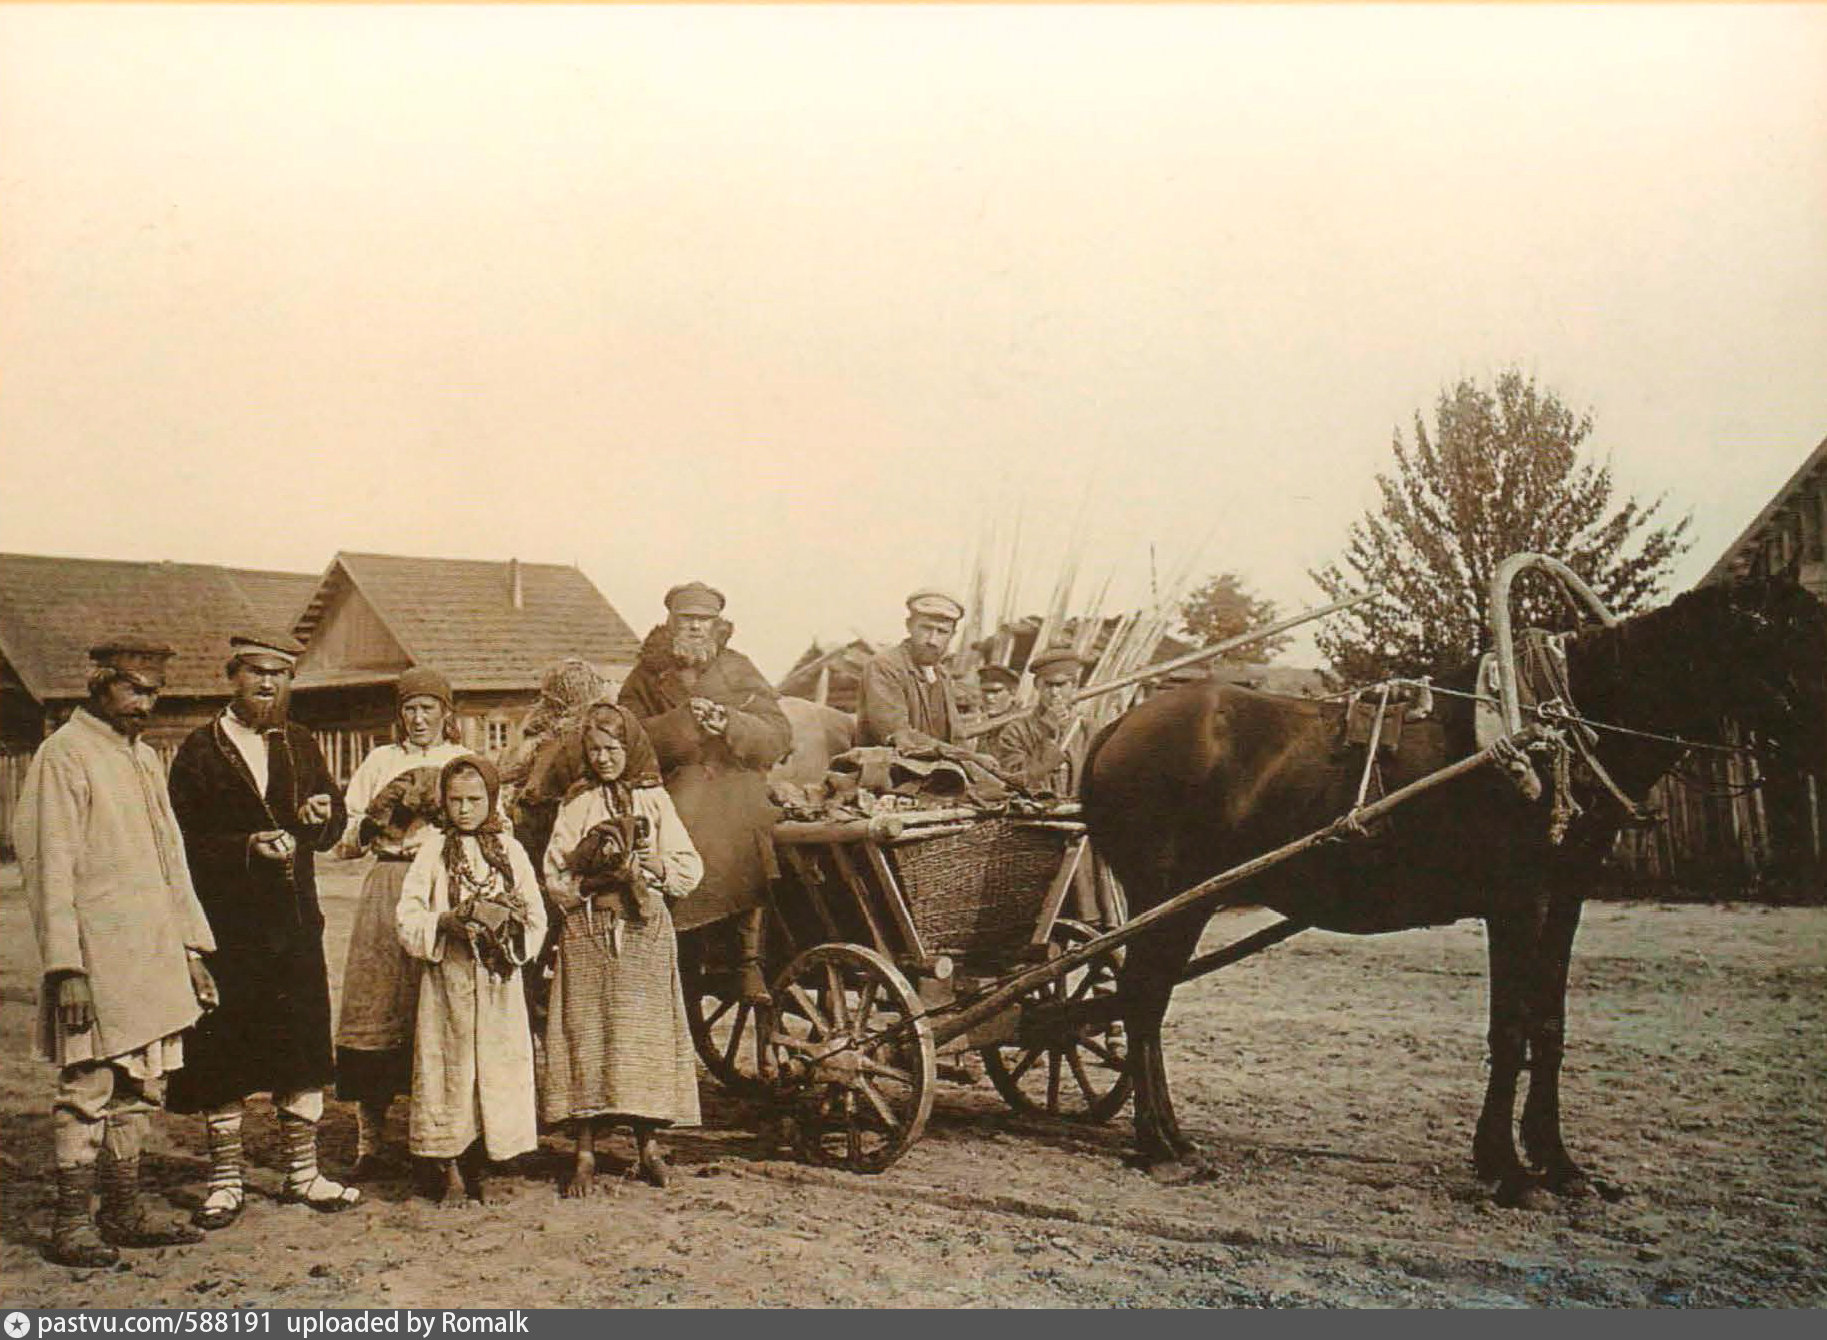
1555 713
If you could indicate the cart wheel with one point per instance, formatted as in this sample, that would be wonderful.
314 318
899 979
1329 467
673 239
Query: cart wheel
727 1032
1080 1078
854 1057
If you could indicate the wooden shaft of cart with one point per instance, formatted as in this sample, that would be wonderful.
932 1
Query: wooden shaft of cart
1155 671
1204 896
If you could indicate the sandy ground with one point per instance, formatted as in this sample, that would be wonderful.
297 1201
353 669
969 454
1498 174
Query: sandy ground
1333 1081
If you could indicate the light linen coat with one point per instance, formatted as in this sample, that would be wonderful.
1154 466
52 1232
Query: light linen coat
472 1067
109 888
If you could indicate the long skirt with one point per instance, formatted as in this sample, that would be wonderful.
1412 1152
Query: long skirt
380 995
617 1041
472 1062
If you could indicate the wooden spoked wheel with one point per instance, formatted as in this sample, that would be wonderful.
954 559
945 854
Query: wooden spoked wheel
852 1054
730 1034
1075 1075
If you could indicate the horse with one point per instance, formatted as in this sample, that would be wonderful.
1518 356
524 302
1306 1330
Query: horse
1204 777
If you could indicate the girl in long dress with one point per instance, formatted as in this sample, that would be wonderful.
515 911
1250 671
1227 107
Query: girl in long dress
470 910
618 1047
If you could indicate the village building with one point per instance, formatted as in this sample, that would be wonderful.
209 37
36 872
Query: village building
52 610
490 627
1726 827
1791 529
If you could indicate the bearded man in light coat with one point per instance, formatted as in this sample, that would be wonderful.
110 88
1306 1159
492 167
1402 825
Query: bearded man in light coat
121 937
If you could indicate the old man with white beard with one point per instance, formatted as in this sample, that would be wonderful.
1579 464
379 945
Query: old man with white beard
717 727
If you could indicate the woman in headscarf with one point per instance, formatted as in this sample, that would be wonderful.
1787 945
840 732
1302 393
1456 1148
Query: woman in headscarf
393 808
470 911
618 1046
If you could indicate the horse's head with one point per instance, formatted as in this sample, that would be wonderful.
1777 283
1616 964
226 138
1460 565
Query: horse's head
1765 646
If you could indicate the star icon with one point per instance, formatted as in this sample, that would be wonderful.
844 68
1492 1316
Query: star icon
17 1324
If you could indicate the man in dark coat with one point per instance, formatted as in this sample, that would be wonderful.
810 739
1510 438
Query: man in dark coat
907 698
254 802
1045 751
717 727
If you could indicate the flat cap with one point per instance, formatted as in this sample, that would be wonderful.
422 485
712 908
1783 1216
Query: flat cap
270 650
421 682
694 598
139 659
1056 660
935 605
997 674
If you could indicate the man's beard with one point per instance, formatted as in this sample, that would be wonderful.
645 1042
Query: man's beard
129 724
693 649
259 715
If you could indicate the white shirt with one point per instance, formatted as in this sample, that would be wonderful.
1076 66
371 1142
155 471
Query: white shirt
250 744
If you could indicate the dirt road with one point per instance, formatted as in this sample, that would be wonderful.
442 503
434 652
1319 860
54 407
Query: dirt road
1333 1080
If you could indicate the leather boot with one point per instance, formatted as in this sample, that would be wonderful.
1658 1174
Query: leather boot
751 937
74 1239
124 1220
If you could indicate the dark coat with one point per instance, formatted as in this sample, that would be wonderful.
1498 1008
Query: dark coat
717 783
1030 748
271 1033
897 706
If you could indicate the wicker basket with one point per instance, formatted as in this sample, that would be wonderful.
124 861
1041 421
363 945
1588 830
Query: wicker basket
976 894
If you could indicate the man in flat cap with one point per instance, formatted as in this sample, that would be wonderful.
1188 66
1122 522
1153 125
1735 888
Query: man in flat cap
996 689
1045 748
255 801
717 727
907 698
121 938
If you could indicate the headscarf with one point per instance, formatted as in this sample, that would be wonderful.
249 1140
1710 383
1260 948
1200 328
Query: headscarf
421 681
643 766
565 689
488 836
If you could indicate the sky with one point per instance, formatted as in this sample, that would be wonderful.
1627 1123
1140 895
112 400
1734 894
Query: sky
806 302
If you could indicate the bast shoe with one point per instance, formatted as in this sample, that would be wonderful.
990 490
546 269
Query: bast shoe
220 1208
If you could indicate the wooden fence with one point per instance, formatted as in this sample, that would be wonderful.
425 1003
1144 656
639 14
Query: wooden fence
1726 829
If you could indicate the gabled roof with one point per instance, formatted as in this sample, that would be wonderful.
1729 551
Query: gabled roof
458 616
1743 549
52 610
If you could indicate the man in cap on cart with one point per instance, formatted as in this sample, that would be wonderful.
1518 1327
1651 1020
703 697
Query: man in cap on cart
996 686
121 939
907 698
717 728
1045 750
1046 747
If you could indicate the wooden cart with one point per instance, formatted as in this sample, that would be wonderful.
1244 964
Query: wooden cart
876 929
884 972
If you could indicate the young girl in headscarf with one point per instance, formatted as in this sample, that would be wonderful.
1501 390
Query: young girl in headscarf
618 1047
470 910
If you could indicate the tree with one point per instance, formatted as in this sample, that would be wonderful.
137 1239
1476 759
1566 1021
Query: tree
1225 607
1503 473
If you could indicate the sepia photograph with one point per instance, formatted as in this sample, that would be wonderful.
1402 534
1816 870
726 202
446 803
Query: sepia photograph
910 656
